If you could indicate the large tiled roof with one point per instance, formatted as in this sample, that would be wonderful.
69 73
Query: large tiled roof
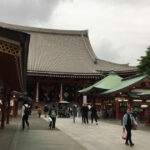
63 51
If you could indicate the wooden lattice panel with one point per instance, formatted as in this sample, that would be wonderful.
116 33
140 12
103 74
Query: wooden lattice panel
9 48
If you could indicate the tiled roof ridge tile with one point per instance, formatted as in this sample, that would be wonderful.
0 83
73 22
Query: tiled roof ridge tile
43 30
126 65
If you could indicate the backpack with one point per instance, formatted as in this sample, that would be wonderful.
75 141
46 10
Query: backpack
53 113
26 111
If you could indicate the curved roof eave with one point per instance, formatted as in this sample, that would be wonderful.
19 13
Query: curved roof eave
119 89
43 30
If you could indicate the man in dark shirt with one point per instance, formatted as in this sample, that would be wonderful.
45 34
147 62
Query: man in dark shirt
94 114
85 110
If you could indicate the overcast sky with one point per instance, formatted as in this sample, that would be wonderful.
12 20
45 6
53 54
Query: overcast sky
119 30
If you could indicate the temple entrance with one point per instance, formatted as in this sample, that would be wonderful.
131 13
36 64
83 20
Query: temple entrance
49 93
31 90
68 93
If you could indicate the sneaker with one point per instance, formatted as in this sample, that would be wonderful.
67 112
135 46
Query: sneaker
96 123
126 143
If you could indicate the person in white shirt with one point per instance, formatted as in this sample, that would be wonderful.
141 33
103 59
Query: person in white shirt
25 115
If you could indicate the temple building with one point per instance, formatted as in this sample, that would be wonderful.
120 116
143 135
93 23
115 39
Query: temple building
61 62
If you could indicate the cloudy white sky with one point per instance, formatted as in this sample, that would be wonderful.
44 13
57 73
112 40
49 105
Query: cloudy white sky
119 30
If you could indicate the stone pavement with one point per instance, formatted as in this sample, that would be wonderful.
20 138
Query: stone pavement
7 135
68 136
141 125
37 137
105 136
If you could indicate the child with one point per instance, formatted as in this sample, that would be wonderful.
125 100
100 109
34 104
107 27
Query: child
39 111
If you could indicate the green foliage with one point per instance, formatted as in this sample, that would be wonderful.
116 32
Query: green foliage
144 62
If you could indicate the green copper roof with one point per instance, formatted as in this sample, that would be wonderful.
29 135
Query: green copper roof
125 83
107 83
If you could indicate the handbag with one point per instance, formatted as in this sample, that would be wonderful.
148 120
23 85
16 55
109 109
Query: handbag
124 134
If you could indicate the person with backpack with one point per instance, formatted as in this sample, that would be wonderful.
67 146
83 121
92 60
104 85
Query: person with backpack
25 114
53 114
46 109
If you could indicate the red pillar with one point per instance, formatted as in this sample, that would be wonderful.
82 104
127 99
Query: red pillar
102 104
131 103
117 109
61 92
37 95
4 109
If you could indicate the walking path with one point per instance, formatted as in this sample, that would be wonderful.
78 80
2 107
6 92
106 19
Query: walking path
105 136
37 137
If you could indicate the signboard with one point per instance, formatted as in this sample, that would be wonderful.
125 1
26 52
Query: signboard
144 106
121 99
84 99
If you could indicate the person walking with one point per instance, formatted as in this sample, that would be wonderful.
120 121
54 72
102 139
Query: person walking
74 112
53 114
85 111
25 114
128 121
93 114
81 111
39 112
46 109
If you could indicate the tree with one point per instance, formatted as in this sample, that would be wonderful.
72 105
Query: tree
144 62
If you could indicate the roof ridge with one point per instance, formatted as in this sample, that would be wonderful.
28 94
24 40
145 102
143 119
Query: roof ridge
134 76
42 30
56 72
89 49
127 65
112 72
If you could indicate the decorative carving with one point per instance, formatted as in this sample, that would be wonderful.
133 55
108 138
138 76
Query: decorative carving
9 48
